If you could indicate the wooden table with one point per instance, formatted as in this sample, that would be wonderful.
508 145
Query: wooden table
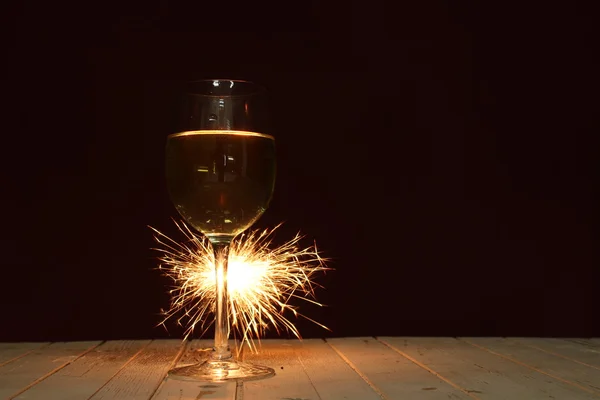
347 368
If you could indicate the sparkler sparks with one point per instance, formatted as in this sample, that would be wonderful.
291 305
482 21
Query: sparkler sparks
261 281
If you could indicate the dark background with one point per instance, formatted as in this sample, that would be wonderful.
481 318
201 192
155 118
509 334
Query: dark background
441 154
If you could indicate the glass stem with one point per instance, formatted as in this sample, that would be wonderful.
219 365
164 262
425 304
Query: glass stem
221 350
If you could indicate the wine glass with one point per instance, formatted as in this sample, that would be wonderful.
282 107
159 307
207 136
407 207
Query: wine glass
220 168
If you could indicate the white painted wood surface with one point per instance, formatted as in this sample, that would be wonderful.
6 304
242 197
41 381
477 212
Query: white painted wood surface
394 375
345 368
84 377
330 375
173 389
583 352
567 372
10 352
140 379
480 373
291 382
25 372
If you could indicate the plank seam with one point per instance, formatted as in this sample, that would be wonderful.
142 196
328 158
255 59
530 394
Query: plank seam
44 377
239 390
184 345
514 360
23 355
121 369
358 372
426 368
558 355
581 343
308 376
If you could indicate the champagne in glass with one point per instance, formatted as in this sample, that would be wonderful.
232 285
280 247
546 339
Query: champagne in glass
220 181
220 168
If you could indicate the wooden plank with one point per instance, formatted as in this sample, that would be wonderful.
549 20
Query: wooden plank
577 352
483 374
559 368
330 375
10 352
392 374
38 365
174 389
82 378
142 376
290 381
591 343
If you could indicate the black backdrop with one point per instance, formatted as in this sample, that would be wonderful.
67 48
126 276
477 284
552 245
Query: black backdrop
440 154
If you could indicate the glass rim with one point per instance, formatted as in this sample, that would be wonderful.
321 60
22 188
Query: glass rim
258 89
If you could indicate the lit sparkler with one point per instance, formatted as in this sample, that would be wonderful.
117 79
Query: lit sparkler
261 281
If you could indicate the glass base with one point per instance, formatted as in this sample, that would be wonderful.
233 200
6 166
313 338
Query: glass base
221 371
